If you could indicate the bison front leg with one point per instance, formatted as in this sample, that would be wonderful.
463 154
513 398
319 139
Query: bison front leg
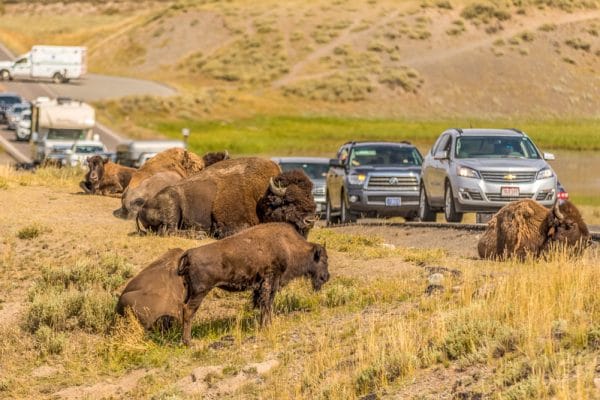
266 296
189 310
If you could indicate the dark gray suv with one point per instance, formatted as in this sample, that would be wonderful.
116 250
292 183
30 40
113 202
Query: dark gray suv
378 179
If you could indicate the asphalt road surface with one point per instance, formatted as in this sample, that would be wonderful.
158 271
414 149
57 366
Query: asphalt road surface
91 87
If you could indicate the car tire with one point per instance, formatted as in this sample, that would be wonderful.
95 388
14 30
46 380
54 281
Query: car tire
4 75
57 78
346 216
425 213
450 207
20 138
330 219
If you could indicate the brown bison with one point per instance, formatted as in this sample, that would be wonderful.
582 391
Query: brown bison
105 177
263 259
230 196
157 293
526 227
174 164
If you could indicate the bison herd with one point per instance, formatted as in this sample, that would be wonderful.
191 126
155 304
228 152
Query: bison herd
263 217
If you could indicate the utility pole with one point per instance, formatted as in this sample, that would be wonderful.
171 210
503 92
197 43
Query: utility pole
186 134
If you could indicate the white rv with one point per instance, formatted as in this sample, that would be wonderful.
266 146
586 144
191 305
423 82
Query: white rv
59 63
57 124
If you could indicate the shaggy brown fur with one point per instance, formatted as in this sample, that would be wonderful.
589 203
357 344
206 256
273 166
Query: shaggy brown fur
157 293
263 259
296 203
105 177
526 227
223 199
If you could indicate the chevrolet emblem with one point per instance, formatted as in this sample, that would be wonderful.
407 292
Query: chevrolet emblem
509 177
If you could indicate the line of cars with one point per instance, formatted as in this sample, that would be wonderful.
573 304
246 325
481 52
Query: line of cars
466 170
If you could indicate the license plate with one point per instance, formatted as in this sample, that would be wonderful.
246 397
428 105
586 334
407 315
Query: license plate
393 201
508 191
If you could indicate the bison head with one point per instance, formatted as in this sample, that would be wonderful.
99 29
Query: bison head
160 214
289 199
567 226
318 271
96 166
212 158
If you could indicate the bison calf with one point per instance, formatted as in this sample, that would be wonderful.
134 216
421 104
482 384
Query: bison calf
105 177
262 258
156 294
526 227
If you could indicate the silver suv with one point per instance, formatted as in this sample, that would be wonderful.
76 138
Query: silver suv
481 170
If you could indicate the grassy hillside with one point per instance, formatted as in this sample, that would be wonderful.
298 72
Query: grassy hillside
492 330
385 59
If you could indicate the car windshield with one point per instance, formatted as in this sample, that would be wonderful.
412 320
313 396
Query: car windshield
495 147
385 155
9 100
313 170
66 134
88 149
17 109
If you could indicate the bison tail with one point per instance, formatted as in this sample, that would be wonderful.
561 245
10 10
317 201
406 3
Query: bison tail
184 263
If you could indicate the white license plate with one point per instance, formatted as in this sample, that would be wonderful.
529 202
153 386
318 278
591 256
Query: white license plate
393 201
508 191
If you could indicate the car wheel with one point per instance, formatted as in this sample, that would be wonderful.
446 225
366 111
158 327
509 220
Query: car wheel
449 206
345 214
57 77
4 75
425 213
328 213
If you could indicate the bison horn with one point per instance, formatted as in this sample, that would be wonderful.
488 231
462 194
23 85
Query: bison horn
557 212
138 225
279 191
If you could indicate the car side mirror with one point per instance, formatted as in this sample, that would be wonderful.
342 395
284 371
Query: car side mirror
441 155
34 137
335 162
549 156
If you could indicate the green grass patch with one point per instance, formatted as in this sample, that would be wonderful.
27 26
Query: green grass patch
285 135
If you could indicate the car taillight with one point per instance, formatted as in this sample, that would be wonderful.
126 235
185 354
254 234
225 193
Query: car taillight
563 196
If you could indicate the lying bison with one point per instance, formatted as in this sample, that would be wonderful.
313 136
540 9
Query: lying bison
156 294
263 259
526 227
230 196
105 177
174 165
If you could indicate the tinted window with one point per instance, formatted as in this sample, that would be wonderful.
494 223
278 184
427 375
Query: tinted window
495 147
313 170
384 155
10 100
440 144
88 149
66 134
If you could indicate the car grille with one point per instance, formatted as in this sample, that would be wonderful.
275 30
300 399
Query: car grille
318 191
502 176
407 182
499 197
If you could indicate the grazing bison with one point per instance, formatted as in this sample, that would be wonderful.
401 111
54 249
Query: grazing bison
526 227
263 259
105 177
230 196
174 162
157 293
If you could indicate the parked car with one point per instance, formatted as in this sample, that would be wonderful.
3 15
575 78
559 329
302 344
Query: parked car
77 155
481 170
7 100
373 179
14 114
23 130
136 153
316 168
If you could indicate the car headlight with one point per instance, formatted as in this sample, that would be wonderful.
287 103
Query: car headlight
467 172
357 179
545 173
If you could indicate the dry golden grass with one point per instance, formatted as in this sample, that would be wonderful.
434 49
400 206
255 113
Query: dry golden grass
498 330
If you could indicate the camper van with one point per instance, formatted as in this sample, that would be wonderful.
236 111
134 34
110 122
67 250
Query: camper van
59 63
56 124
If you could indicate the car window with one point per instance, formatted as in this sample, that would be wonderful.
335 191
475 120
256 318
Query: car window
441 143
384 155
65 134
343 154
495 147
88 149
313 170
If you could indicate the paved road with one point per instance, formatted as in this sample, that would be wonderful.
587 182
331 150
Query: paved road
92 87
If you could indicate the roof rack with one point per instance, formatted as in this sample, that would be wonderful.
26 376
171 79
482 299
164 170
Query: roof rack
459 130
517 130
405 142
